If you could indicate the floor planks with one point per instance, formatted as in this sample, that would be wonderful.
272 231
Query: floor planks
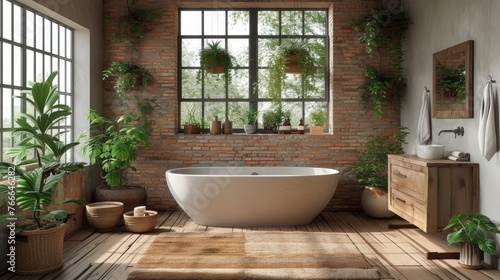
398 254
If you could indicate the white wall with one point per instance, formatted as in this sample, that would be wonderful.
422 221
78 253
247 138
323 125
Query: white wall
438 25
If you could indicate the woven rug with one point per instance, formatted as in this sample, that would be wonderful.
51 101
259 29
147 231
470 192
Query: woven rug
252 255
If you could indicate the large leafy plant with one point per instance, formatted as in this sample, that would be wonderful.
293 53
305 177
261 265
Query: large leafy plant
34 188
113 145
371 166
472 230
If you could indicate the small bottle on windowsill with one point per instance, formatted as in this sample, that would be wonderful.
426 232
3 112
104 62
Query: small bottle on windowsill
300 127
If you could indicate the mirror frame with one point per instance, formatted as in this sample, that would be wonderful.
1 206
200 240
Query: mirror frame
467 110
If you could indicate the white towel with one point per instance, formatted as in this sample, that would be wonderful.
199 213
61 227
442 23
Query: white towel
424 136
487 135
454 158
460 154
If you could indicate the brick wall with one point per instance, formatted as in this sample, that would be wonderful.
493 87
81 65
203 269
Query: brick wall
158 53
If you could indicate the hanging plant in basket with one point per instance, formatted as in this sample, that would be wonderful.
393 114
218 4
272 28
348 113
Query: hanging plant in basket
130 28
214 59
129 76
292 57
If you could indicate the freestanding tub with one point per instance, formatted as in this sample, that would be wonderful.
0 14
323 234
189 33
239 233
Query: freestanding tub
252 196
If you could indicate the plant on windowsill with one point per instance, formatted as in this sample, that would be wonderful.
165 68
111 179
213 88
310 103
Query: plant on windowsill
33 180
192 125
382 32
291 57
112 146
215 60
249 118
318 118
370 170
471 233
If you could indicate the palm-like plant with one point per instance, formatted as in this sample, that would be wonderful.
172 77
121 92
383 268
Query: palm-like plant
212 56
472 231
35 128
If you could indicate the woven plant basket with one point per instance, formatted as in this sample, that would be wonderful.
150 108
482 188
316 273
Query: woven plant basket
39 251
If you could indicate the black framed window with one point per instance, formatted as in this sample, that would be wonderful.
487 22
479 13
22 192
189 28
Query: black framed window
31 47
250 35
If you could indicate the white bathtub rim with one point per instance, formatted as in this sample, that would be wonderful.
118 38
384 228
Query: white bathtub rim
326 171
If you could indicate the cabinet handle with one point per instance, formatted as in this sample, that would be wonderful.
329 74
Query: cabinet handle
404 201
401 175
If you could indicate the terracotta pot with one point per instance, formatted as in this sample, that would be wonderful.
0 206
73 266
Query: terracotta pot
140 224
130 196
375 202
39 251
217 69
191 129
292 65
104 216
470 256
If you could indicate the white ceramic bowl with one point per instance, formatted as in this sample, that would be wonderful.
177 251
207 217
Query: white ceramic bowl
430 151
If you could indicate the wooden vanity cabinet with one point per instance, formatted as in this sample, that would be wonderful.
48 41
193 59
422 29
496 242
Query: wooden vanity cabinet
427 193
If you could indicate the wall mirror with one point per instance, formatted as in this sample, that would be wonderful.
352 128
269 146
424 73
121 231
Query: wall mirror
453 82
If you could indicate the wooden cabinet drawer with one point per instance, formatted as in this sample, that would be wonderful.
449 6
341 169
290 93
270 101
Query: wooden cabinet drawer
409 181
406 207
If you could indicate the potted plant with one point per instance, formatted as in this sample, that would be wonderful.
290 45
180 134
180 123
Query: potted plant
129 75
249 119
370 170
382 32
215 60
130 28
191 124
291 57
471 233
318 118
113 146
39 229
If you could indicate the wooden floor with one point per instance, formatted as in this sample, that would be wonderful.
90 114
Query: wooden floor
398 254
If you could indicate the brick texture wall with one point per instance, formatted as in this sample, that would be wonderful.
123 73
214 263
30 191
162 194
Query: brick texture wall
350 124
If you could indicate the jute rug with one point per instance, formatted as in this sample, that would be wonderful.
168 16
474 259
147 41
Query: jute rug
252 255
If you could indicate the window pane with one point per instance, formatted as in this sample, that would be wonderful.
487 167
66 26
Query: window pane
55 38
69 77
268 22
69 43
39 32
214 23
312 107
190 111
30 29
239 49
215 86
291 23
190 89
30 65
17 75
315 22
317 49
7 20
18 23
62 41
239 86
265 47
190 51
191 23
7 120
213 109
39 67
47 35
47 66
17 106
238 23
236 111
7 63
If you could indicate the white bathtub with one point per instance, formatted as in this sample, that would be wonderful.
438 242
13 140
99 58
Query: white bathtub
252 196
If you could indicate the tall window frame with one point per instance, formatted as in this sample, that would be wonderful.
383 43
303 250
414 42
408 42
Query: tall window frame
255 64
32 45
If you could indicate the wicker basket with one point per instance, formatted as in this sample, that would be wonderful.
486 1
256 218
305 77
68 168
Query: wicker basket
39 251
140 224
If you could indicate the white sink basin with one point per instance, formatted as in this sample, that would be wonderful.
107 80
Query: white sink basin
430 151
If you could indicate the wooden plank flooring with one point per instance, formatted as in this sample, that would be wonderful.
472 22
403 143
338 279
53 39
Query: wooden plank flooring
397 253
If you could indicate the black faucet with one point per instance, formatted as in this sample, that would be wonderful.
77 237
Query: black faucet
458 131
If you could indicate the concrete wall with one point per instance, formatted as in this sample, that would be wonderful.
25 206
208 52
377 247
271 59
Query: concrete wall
439 25
158 53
